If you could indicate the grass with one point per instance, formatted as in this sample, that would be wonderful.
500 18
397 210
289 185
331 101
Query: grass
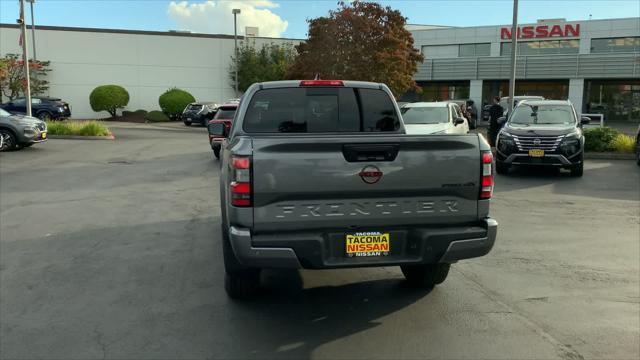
79 128
623 143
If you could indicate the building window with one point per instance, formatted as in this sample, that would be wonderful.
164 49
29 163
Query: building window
626 44
544 47
466 50
617 100
440 51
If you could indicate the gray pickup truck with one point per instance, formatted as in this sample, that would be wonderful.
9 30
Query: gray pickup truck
319 174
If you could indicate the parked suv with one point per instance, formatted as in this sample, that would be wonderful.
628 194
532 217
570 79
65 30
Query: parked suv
18 131
199 112
319 174
542 133
224 116
42 107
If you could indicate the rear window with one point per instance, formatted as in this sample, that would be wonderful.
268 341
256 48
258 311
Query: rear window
225 113
319 109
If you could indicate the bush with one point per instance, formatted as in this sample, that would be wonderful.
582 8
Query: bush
81 128
599 139
173 102
109 98
623 143
156 116
141 112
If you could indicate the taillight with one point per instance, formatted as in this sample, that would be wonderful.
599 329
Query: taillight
321 83
486 182
240 187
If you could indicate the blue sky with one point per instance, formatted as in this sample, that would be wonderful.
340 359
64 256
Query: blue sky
288 17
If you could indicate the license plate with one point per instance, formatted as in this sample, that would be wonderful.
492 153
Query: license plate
188 119
536 153
44 135
363 244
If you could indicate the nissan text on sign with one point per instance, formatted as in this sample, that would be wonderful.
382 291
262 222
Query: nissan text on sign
542 31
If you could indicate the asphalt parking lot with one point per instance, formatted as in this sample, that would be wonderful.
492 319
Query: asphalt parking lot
111 249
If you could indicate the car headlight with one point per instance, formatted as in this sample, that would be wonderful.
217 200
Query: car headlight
61 109
506 144
570 144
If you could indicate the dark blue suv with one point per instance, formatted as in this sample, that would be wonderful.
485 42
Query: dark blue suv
42 107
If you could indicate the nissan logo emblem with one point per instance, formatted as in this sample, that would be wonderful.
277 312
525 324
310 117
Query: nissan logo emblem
536 142
370 174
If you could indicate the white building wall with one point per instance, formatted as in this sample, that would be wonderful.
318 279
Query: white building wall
146 65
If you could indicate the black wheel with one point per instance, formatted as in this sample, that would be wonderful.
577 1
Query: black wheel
44 116
240 282
216 153
8 140
187 123
426 276
638 152
502 168
577 170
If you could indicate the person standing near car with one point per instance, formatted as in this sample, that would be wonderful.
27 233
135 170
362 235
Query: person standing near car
495 112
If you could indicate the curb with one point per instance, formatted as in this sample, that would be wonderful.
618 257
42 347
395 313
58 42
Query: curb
79 137
609 156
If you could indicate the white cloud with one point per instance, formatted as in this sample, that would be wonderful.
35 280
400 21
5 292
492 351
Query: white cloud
215 17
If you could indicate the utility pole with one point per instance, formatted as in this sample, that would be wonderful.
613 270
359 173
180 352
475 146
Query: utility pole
235 44
25 58
514 50
33 29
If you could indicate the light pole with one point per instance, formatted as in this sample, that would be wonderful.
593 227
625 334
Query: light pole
235 44
514 50
33 29
25 57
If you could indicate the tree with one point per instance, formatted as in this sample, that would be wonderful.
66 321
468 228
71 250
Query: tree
267 64
109 98
12 81
173 102
359 41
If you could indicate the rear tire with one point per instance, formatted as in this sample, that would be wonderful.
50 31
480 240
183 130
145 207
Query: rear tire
216 153
638 151
502 168
425 276
44 116
240 282
187 123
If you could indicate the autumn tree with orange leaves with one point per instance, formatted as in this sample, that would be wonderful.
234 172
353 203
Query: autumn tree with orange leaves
13 83
359 41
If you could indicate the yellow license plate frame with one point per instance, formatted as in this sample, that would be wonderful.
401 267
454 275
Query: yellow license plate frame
368 244
537 153
43 135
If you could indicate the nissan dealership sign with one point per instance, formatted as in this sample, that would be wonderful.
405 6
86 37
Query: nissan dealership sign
543 31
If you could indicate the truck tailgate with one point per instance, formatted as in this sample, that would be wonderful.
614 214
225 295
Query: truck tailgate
364 182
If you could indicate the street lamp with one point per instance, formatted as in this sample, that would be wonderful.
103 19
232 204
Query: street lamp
514 51
25 58
33 29
235 43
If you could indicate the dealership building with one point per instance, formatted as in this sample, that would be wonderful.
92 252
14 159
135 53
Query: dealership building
593 63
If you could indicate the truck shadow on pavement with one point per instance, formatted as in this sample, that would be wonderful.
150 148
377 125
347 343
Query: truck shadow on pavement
291 322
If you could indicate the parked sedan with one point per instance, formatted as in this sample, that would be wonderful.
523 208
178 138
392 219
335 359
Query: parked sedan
18 131
225 116
424 118
42 107
199 112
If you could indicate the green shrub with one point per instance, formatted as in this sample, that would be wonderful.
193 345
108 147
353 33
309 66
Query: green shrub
599 139
126 113
173 102
81 128
156 116
137 113
109 98
141 112
623 143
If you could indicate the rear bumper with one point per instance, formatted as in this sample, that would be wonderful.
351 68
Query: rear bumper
409 246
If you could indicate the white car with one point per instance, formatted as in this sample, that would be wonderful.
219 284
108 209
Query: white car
425 118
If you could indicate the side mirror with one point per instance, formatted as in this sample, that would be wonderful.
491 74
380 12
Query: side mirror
458 121
585 120
216 129
502 120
